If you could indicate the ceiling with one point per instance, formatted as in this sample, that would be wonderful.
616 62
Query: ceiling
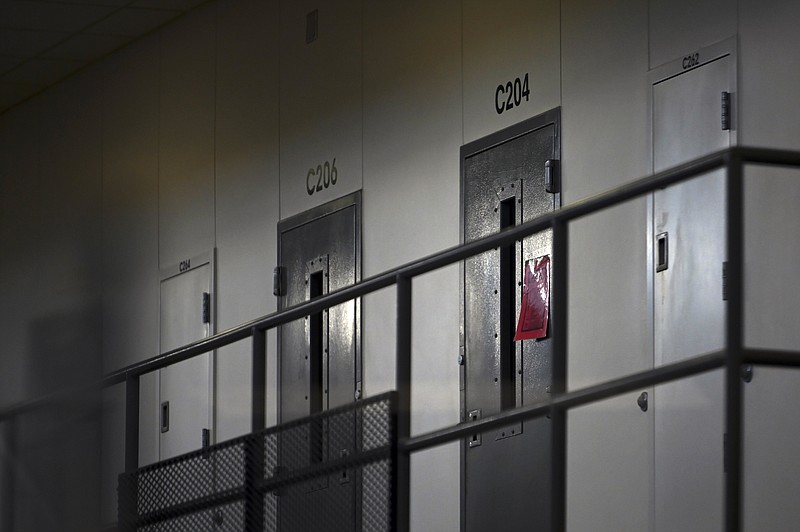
44 41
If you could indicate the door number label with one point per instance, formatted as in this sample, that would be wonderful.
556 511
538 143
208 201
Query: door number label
691 60
323 176
184 265
510 94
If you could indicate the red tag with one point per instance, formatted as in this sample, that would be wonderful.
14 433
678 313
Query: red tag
535 309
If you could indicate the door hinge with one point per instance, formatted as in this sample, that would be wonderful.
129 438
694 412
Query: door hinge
206 442
475 439
551 176
206 307
726 111
725 281
278 284
725 452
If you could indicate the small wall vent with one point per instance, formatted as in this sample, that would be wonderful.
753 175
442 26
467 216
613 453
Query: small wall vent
312 26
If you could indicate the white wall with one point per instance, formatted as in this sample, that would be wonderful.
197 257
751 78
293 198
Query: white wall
502 41
51 208
246 163
768 118
412 132
320 101
201 136
186 203
605 144
679 26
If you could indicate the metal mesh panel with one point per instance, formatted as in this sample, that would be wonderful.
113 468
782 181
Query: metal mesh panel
226 517
180 481
330 472
377 493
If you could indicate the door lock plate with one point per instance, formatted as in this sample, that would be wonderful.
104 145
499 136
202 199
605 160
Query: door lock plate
475 439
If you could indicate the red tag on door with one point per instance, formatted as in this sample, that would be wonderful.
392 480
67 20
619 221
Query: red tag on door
535 309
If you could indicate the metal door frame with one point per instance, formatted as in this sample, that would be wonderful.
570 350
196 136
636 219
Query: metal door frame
551 117
174 270
315 213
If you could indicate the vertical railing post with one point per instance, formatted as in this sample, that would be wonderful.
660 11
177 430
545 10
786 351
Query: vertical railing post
558 416
734 341
402 475
254 450
259 380
131 423
128 489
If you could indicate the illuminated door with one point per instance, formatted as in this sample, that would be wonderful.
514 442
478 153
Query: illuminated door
506 473
689 120
319 363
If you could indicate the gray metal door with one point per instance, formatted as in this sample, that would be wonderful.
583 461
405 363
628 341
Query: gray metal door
689 310
506 475
185 414
319 360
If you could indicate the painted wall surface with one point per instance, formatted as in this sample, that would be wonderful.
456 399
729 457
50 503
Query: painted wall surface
680 27
320 103
19 195
768 118
412 132
605 144
130 241
246 170
186 123
55 303
503 41
202 136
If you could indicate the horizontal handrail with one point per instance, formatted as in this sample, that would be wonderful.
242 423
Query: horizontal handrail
424 265
771 357
729 358
458 253
578 397
434 261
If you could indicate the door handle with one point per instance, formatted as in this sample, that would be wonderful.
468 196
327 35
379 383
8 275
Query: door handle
662 252
165 416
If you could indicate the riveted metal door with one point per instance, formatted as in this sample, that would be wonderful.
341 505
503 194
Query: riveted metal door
319 360
186 388
506 475
689 120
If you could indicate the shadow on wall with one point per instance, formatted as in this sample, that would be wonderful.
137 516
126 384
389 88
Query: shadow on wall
50 457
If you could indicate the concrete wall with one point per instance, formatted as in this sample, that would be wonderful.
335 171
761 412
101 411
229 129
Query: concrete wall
200 137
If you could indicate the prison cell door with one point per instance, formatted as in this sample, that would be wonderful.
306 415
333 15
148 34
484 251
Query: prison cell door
690 119
319 362
186 389
506 473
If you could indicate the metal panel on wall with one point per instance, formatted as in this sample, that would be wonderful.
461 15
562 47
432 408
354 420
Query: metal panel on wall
690 119
319 361
320 103
511 62
506 481
186 389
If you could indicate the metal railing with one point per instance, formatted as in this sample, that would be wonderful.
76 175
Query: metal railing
731 357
